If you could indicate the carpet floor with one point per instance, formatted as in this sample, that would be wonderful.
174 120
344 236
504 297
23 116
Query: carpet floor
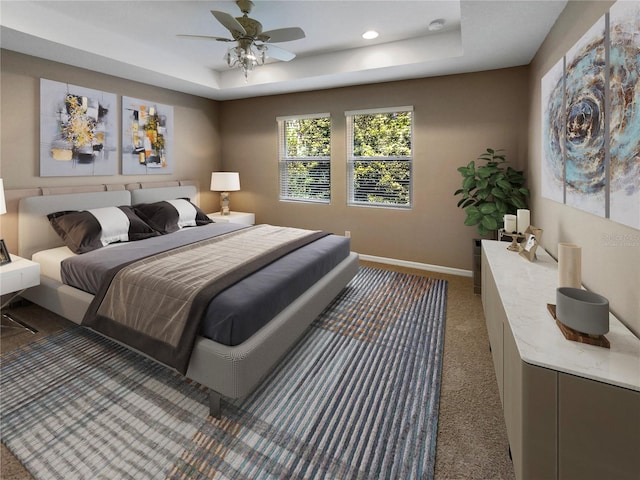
357 397
471 439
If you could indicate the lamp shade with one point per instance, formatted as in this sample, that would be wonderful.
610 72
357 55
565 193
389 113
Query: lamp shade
225 181
3 205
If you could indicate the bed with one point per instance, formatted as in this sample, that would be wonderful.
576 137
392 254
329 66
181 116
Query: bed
228 367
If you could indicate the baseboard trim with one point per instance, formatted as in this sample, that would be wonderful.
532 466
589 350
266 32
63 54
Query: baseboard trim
417 265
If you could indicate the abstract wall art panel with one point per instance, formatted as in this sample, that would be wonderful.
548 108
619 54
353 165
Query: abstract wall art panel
78 130
585 82
553 131
624 114
147 137
595 130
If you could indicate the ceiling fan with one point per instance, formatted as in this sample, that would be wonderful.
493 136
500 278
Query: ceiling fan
253 45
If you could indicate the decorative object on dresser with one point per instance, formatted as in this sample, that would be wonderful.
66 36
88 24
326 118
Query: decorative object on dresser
584 311
575 336
523 220
515 238
490 191
510 223
225 182
532 240
569 265
581 316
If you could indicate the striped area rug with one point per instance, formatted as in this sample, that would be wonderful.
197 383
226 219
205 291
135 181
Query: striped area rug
357 398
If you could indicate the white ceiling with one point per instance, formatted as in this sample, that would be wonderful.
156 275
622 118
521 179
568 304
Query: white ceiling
137 40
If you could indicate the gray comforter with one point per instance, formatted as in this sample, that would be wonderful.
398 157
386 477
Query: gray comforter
155 304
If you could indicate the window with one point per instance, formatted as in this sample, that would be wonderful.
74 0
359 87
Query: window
305 158
379 155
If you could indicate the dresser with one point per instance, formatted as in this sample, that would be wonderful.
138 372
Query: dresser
572 410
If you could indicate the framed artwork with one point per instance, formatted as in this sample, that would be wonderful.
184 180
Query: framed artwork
147 137
585 122
624 114
4 254
553 133
533 236
591 139
78 130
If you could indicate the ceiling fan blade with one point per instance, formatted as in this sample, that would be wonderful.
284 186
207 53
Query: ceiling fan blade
282 35
206 37
229 22
279 53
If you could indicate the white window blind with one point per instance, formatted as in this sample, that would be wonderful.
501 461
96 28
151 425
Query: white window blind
305 157
380 156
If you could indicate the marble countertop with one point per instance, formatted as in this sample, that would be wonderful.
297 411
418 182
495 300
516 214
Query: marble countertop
525 289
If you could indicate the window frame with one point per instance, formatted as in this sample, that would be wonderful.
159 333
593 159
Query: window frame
351 159
284 160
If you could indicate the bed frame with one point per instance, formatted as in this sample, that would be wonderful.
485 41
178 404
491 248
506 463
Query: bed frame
231 372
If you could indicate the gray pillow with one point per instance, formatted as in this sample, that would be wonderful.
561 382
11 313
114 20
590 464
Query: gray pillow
171 215
86 230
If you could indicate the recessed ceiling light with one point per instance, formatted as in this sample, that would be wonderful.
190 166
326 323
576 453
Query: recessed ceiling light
370 35
437 25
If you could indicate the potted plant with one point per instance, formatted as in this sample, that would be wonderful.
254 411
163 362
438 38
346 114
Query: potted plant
490 191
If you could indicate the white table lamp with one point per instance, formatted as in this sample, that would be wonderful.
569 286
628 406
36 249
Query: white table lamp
225 182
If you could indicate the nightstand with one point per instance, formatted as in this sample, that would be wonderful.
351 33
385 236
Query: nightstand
233 217
16 277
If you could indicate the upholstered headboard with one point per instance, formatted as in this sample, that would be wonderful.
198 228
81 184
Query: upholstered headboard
150 195
35 233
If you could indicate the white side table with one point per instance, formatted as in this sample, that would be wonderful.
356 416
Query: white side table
16 277
233 217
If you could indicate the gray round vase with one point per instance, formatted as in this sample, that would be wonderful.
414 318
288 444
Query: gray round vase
584 311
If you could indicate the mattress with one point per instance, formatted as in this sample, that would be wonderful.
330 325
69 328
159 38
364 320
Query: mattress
50 261
238 312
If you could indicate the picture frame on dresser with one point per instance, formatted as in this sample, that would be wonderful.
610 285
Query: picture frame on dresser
532 240
4 254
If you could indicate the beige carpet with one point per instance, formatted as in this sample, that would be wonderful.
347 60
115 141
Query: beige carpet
471 433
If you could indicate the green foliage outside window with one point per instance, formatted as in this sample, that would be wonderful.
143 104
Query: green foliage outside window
381 161
382 135
308 137
305 168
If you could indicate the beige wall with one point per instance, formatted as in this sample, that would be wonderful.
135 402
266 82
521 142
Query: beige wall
456 119
197 143
610 251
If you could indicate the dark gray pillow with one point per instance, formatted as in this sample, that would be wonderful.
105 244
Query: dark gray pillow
171 215
87 230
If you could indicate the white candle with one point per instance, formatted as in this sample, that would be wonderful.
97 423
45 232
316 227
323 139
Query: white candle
510 223
524 220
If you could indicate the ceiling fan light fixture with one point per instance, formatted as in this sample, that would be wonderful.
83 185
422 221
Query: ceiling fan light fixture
370 35
251 49
246 58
